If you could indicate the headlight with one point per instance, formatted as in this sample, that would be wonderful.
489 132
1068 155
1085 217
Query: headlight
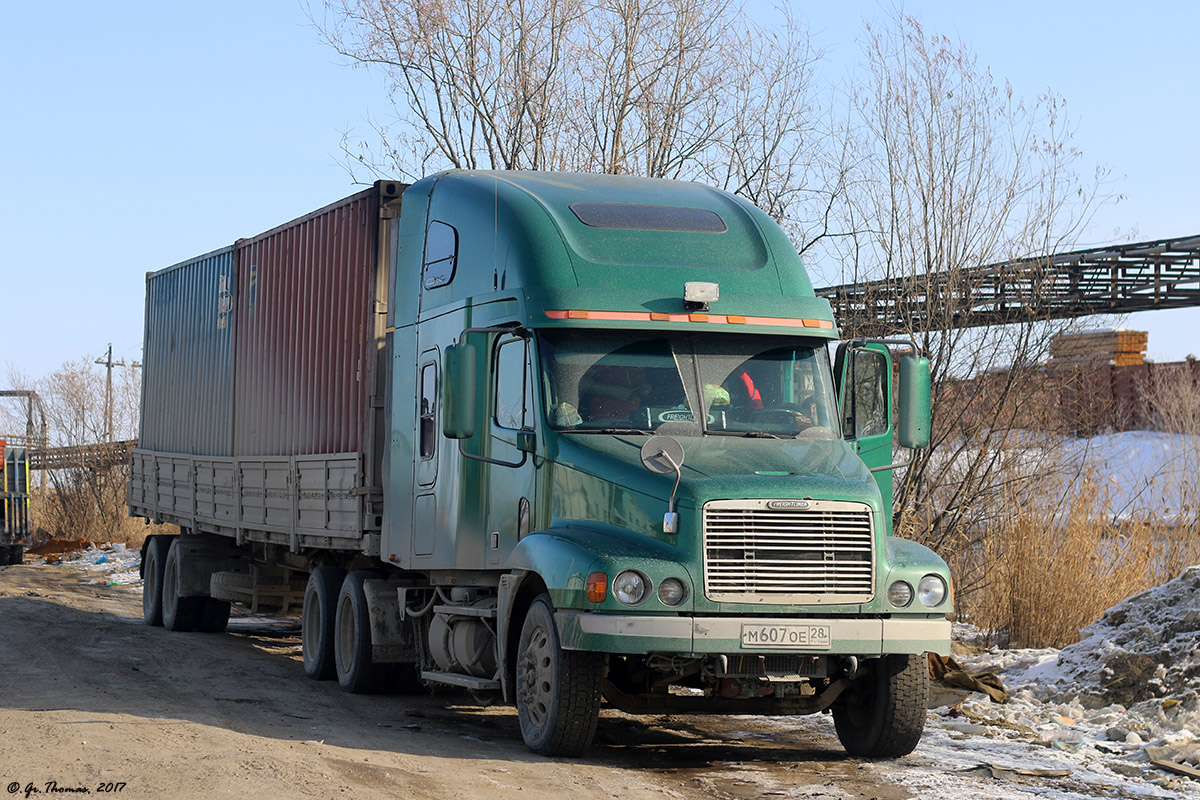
900 594
630 587
672 591
931 591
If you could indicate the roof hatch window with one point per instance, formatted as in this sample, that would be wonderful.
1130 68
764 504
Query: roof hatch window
648 218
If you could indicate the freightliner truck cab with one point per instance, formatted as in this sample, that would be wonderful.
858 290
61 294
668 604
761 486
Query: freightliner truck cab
621 466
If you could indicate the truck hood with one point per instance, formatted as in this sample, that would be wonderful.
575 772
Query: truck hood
726 466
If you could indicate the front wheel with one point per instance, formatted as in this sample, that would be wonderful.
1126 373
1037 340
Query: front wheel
882 713
558 691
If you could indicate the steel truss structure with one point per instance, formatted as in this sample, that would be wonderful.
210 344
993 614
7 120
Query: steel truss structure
1116 279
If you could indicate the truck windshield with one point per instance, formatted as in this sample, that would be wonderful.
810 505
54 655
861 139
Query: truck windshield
725 384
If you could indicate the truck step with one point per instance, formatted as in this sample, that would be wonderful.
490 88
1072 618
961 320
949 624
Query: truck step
466 681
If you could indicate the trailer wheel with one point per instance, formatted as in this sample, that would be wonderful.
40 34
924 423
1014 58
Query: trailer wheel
152 579
214 615
317 621
558 691
882 714
356 670
178 613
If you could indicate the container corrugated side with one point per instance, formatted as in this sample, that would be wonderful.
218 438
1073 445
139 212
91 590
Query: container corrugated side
306 332
186 357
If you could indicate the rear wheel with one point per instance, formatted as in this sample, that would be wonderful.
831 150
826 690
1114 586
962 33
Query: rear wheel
152 579
317 621
558 691
357 671
178 613
882 714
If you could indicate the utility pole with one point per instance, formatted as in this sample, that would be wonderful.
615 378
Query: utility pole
108 363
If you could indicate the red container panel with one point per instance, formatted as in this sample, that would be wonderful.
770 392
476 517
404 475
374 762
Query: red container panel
306 332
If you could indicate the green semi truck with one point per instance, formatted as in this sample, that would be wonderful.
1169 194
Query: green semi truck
556 439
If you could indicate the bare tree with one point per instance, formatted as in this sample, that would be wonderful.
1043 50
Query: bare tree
950 171
84 500
663 88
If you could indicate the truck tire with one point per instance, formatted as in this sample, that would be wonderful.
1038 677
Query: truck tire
317 621
214 615
558 691
882 714
178 613
356 670
152 578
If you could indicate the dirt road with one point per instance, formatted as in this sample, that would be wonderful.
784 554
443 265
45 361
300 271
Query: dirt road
92 699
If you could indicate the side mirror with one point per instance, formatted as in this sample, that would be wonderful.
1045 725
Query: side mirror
458 404
914 417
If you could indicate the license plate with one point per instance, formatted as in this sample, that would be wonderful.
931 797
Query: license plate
786 637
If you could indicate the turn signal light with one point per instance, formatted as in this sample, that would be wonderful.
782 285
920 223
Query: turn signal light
597 587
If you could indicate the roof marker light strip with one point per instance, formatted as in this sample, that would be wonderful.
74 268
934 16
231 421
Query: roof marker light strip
658 316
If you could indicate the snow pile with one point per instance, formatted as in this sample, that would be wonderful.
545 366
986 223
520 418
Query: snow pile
1144 651
1132 681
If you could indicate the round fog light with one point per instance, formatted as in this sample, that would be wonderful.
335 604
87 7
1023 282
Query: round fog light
931 591
672 591
630 587
900 594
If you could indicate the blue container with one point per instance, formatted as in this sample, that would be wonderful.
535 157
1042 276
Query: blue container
186 357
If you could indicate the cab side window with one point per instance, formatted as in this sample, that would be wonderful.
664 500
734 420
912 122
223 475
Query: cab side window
512 385
428 415
441 254
867 409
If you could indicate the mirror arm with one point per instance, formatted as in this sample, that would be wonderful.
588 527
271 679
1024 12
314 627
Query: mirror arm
895 465
496 461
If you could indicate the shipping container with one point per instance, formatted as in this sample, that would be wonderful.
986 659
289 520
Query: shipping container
261 398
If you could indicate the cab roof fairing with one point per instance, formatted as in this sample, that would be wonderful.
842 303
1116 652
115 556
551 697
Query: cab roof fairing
517 229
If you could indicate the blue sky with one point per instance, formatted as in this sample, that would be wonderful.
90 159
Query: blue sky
137 134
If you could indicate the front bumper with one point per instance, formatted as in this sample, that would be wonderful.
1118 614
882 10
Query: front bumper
644 633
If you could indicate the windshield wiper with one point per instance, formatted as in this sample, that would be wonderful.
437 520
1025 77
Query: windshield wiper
641 431
749 434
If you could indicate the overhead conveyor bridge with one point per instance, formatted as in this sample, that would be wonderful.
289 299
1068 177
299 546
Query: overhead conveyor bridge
1117 279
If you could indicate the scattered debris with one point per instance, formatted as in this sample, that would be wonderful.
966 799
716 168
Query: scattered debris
59 546
1182 759
948 672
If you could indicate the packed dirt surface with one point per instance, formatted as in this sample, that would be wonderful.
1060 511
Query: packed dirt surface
92 699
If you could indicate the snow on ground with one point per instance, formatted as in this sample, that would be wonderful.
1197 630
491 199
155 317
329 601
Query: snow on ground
1139 471
1131 682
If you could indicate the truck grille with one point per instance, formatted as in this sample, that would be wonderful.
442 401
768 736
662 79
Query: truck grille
788 552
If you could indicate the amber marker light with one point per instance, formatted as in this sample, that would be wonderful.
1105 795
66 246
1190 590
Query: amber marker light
597 587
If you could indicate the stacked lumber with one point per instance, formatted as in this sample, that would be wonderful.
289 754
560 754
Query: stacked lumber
1120 347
